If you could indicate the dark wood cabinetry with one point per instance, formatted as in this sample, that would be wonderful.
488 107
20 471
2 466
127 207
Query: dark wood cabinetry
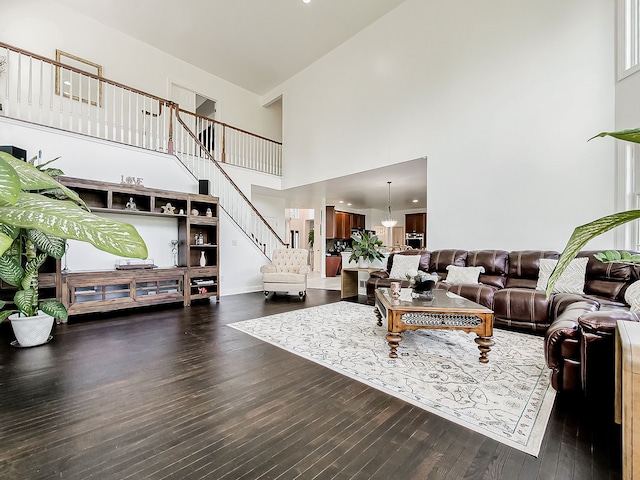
358 221
196 275
343 225
340 224
415 223
330 230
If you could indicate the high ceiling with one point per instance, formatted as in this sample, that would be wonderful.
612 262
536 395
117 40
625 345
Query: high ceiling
256 44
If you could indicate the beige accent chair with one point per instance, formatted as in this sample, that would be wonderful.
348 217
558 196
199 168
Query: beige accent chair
287 272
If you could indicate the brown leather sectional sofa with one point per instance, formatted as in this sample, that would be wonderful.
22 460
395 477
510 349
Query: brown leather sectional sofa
578 329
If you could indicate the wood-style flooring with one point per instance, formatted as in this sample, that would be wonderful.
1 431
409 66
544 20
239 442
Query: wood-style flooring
175 393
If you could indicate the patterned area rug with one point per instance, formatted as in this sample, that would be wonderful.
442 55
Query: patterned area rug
509 399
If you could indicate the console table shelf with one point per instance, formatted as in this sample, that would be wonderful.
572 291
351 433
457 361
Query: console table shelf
99 291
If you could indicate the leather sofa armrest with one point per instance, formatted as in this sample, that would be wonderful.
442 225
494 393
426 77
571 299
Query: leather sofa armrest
304 269
379 274
565 326
561 301
604 322
268 269
558 331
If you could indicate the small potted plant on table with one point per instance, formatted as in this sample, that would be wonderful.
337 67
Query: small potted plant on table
365 249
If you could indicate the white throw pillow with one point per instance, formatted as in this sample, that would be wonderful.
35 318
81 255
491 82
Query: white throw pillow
632 296
403 265
463 275
571 280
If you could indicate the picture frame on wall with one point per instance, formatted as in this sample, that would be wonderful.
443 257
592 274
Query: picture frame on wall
73 84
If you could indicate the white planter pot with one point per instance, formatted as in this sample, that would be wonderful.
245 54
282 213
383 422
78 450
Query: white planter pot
364 262
31 331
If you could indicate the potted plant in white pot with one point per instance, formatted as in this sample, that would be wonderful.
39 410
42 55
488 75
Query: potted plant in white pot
365 249
584 233
34 226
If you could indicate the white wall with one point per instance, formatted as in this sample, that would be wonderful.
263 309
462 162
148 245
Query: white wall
501 96
42 26
85 157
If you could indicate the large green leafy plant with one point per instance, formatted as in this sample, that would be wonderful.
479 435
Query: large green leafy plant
365 246
37 215
584 233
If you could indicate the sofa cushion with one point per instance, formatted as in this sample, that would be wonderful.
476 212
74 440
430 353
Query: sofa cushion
524 266
425 258
632 296
479 293
463 275
571 280
608 280
441 259
403 266
283 277
522 305
495 263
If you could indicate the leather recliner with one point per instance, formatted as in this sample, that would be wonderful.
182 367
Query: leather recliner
578 328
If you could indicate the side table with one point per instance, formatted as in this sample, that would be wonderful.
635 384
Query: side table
627 400
349 280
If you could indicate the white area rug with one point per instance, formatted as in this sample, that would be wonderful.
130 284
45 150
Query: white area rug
509 399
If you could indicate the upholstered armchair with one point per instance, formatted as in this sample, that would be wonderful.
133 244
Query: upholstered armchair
287 272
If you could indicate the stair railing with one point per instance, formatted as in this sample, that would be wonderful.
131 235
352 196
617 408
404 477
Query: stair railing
197 152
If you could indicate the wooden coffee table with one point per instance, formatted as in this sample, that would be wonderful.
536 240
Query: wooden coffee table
446 311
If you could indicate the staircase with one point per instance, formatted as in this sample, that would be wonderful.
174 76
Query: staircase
39 90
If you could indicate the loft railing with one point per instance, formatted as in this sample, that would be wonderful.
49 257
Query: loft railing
39 90
234 146
36 89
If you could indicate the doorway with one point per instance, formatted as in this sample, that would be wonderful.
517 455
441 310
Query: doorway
205 110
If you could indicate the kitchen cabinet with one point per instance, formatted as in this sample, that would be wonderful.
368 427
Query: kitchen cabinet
330 230
339 224
343 225
415 223
358 221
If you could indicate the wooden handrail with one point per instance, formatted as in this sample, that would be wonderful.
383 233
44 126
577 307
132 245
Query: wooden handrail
213 160
226 125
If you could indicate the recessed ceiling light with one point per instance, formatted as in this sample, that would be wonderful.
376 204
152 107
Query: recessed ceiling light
349 204
415 201
306 1
340 201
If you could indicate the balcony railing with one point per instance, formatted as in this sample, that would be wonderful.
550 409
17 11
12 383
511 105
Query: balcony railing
36 89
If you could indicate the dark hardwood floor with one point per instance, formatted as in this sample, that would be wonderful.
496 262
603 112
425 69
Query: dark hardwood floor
175 393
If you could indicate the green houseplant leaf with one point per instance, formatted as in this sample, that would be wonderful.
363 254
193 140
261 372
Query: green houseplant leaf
581 235
365 246
67 220
632 135
9 181
33 179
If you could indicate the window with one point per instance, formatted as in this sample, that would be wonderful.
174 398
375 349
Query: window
628 37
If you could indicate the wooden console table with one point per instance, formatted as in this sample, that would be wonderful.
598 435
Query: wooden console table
627 406
349 280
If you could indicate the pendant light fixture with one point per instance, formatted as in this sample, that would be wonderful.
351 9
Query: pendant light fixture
389 222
